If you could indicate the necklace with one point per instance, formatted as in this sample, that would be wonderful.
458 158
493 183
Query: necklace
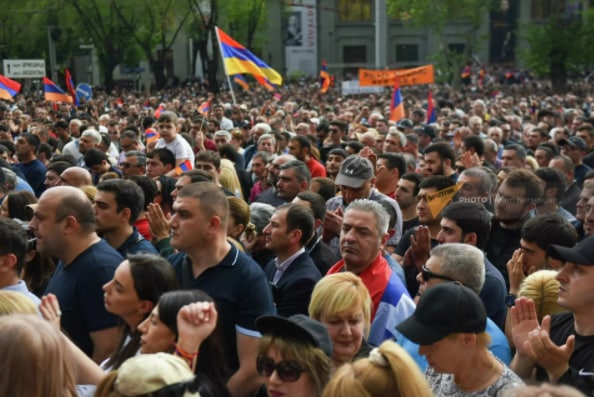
483 381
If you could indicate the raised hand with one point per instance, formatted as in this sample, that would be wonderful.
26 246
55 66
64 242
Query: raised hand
552 358
50 309
195 322
158 222
523 321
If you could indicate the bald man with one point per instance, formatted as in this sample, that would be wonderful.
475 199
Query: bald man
76 176
64 224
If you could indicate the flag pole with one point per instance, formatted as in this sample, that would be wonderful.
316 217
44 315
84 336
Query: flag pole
224 67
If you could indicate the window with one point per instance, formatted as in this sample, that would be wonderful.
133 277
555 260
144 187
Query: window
457 48
354 10
407 53
354 54
542 9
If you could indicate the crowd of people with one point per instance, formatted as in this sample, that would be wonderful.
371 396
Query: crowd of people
186 245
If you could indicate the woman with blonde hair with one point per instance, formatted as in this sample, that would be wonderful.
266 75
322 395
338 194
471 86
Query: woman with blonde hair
35 359
228 178
239 217
342 303
388 371
15 302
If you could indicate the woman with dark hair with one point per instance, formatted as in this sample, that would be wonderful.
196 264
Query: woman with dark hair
15 205
165 185
137 284
160 332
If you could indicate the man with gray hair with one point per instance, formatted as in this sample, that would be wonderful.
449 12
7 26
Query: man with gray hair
363 234
89 139
395 141
257 131
222 137
464 264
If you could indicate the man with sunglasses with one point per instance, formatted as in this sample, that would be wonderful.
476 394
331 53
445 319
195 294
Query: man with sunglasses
464 264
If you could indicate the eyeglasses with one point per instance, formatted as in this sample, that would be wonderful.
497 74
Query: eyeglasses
287 371
128 165
428 275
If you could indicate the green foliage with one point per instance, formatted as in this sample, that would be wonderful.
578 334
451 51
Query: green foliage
556 40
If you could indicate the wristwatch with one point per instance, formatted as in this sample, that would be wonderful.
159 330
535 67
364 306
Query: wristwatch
510 300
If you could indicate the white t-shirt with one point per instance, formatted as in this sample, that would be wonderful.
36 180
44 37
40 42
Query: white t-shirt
179 147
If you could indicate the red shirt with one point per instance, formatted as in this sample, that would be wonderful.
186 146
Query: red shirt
375 277
316 168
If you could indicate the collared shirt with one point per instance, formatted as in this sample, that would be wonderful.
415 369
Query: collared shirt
21 287
281 268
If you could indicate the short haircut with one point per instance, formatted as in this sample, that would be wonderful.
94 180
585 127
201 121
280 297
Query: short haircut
444 150
355 145
197 176
327 187
302 173
532 185
475 142
265 137
264 127
129 134
208 156
398 135
94 157
373 207
93 134
488 180
546 229
438 182
149 188
553 178
342 126
265 156
14 241
260 214
394 160
140 156
78 206
303 141
463 263
299 217
392 215
471 218
316 203
164 155
32 140
168 117
415 178
58 167
518 149
127 194
46 149
212 200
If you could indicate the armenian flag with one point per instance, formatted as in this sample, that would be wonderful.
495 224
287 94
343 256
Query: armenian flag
159 110
53 93
240 81
238 59
265 83
396 107
183 167
70 86
431 113
204 107
151 135
8 88
324 78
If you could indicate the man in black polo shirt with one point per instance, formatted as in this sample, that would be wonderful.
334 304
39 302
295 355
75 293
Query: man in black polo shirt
236 283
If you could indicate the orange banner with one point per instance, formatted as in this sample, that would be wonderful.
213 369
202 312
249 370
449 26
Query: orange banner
413 76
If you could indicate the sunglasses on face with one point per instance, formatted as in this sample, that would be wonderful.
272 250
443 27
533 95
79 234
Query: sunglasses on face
428 275
287 371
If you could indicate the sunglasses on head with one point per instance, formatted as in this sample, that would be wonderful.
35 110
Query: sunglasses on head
287 371
428 275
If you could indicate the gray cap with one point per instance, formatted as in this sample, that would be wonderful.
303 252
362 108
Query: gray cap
354 171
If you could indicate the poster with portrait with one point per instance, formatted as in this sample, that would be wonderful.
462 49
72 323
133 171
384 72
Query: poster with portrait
300 36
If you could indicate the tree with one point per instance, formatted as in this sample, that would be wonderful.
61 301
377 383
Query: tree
244 18
155 30
435 15
99 21
561 44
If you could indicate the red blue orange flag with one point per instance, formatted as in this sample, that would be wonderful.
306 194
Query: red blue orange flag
238 59
277 96
53 93
70 86
324 78
183 167
396 107
431 113
159 110
265 83
151 135
204 107
8 88
240 81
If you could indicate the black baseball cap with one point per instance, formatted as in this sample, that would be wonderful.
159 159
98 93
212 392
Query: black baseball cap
581 254
298 326
445 309
354 171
